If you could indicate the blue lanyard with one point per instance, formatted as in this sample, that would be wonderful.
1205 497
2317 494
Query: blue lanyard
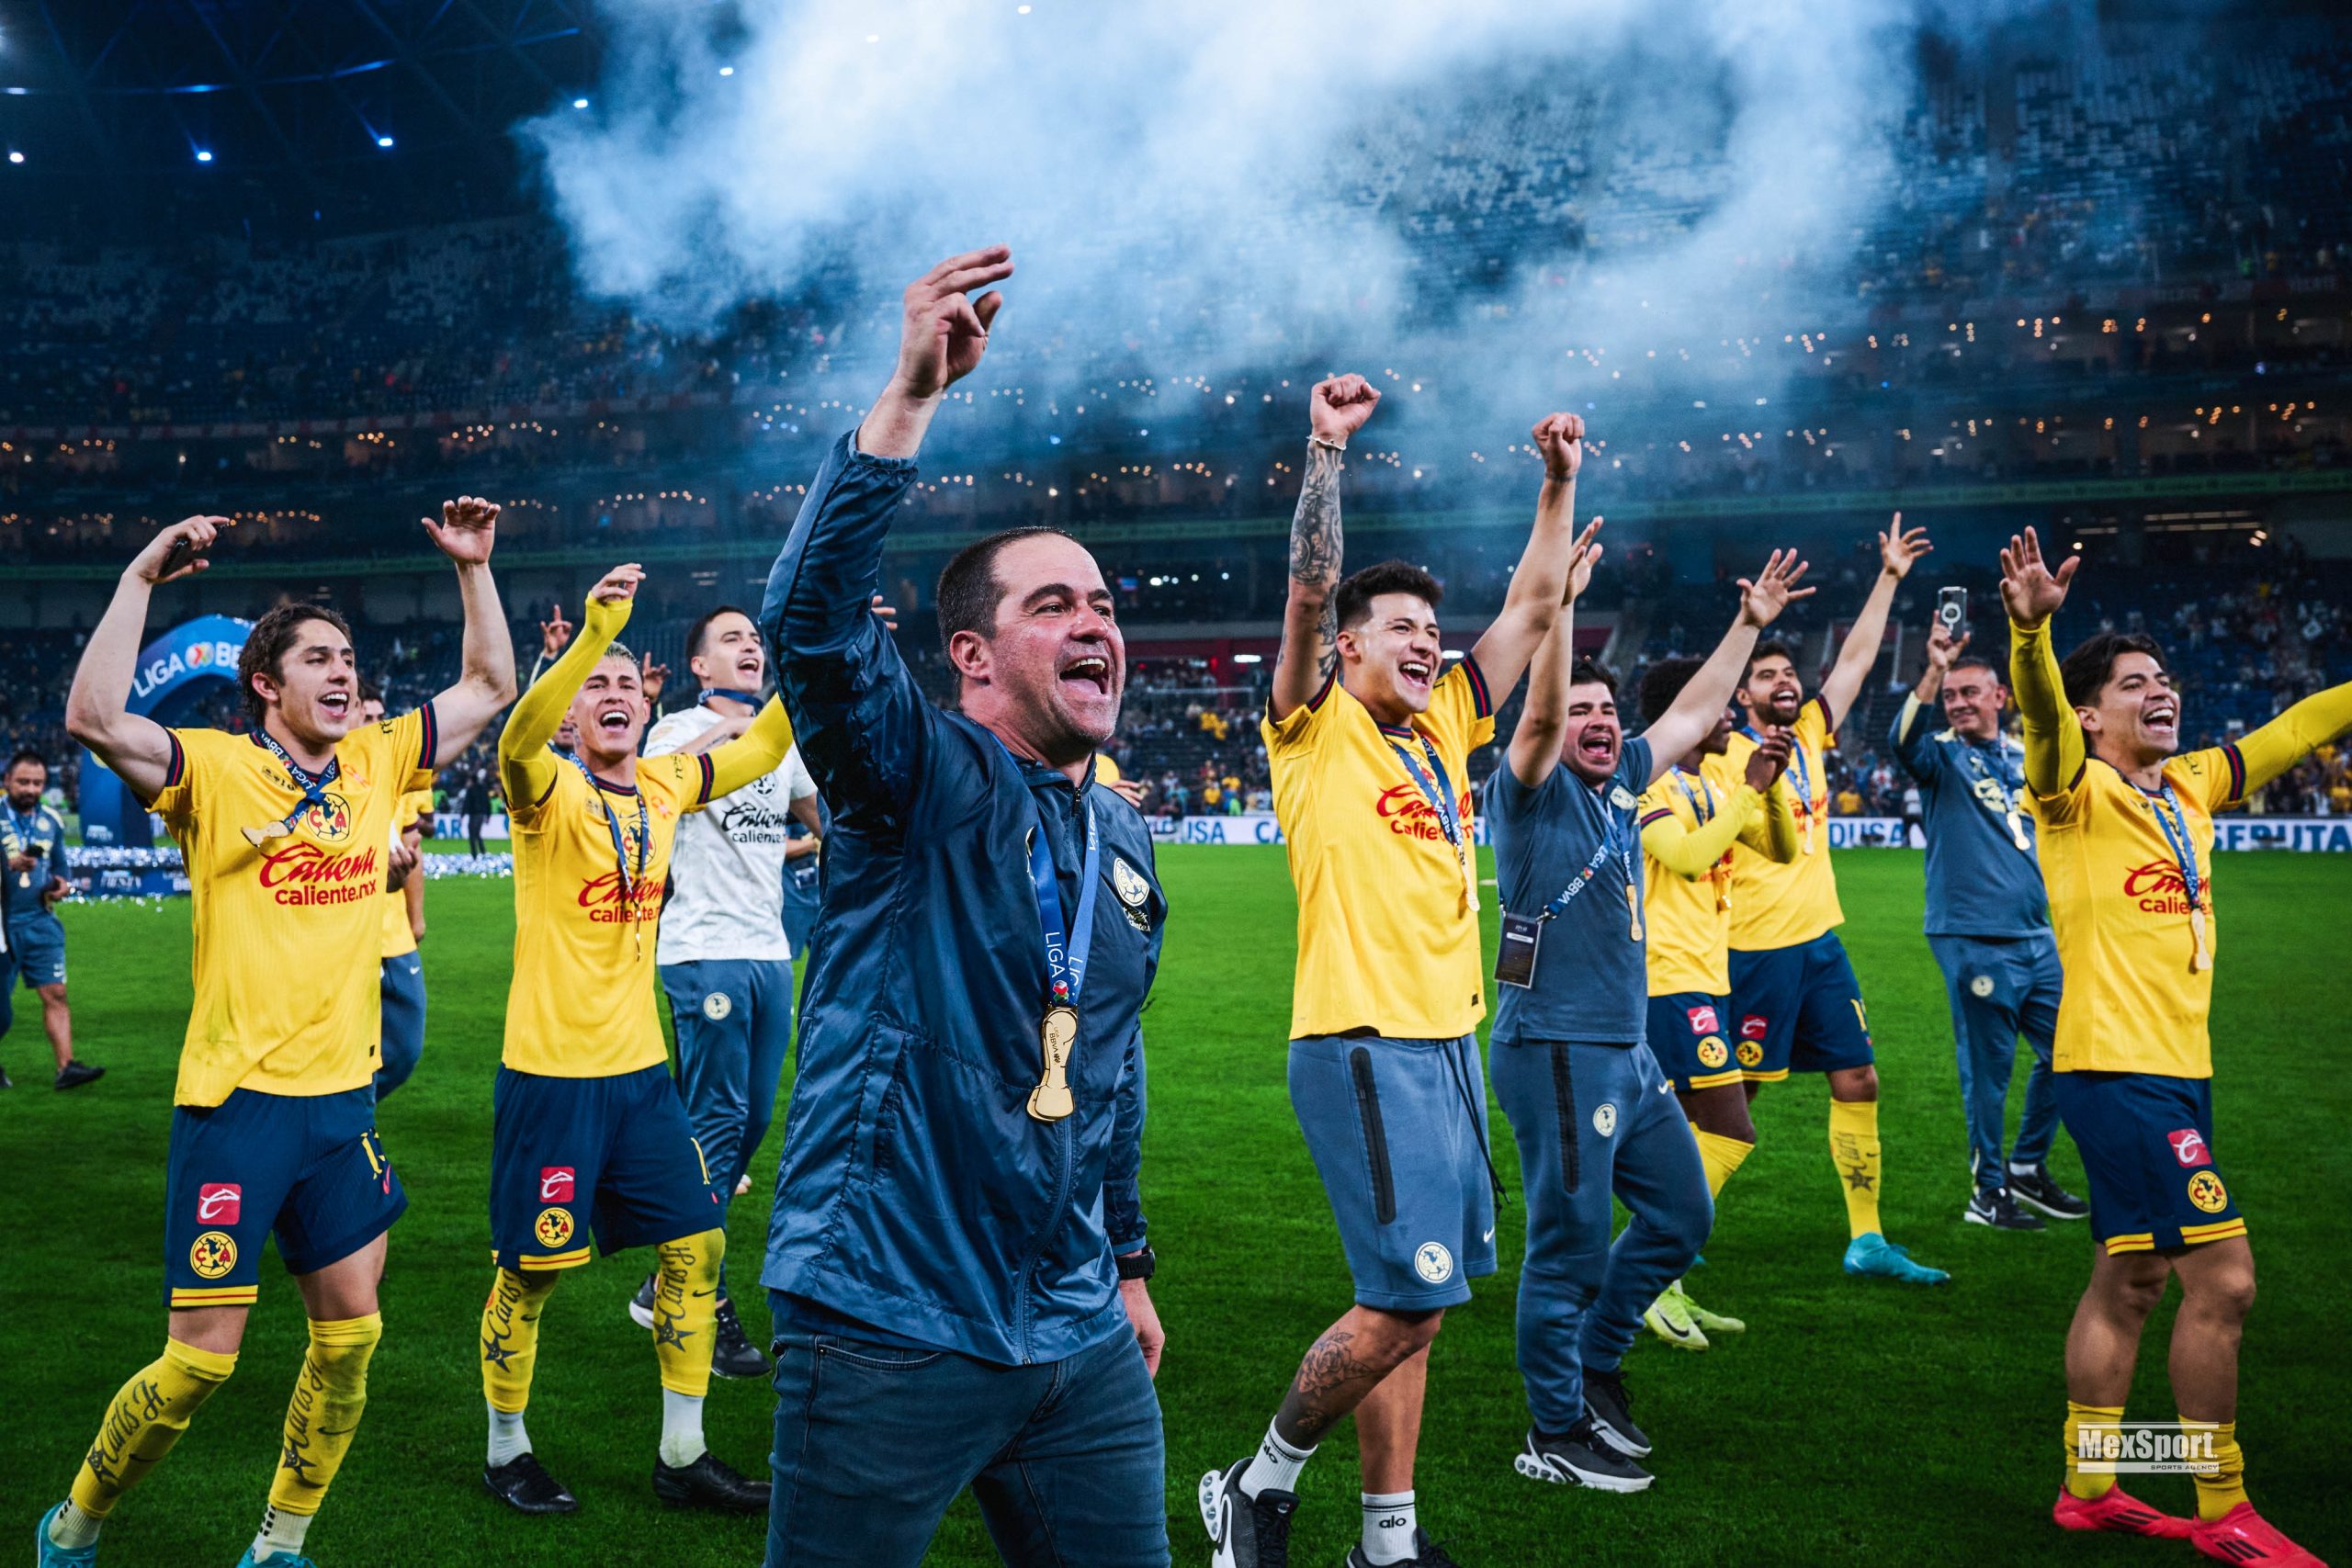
613 821
1066 949
1705 814
1618 836
312 785
1438 793
2175 824
748 699
1796 763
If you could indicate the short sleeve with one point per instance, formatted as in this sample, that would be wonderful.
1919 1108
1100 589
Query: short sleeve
187 776
2214 778
1815 725
798 784
409 742
1296 732
1461 716
1633 766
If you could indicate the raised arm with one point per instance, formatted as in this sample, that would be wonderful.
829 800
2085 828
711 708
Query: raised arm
527 768
755 753
97 709
1701 702
485 685
2054 751
1772 832
2294 736
1689 851
1537 587
1915 722
1336 409
1898 551
1544 717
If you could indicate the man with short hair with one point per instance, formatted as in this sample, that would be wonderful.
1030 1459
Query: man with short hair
1988 925
1369 743
284 833
957 1261
1586 1101
2126 849
36 878
1799 1006
725 960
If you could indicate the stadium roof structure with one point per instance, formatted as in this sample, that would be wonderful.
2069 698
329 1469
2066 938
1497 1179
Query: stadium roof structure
119 117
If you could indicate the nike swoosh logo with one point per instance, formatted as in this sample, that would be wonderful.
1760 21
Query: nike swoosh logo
1488 1236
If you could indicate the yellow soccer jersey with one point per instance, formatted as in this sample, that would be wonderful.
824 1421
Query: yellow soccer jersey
1772 905
286 1000
1106 772
399 940
1682 817
1387 908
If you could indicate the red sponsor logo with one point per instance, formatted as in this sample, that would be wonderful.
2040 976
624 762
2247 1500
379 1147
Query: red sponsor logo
603 899
1703 1021
2188 1146
2154 879
1408 811
554 1184
1755 1026
301 862
218 1203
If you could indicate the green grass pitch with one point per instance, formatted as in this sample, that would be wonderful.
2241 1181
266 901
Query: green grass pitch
1856 1421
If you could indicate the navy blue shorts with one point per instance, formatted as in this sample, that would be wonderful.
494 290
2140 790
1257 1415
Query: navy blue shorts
2147 1145
307 1168
1690 1036
613 1151
35 951
1799 1010
1399 1131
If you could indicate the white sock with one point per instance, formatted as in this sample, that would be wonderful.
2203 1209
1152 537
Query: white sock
508 1441
681 1440
1276 1464
73 1528
280 1531
1389 1526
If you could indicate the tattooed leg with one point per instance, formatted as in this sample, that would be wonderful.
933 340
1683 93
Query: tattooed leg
1342 1368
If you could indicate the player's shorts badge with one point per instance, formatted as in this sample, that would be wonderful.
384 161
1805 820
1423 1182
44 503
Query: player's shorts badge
717 1006
1604 1120
1981 986
214 1254
2205 1190
1750 1054
2188 1147
1712 1053
553 1228
1754 1026
1704 1021
218 1203
1432 1262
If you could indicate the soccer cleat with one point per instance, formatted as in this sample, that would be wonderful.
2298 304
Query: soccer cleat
1611 1410
1669 1319
274 1559
1245 1532
523 1484
2119 1511
2035 1190
1872 1254
46 1554
74 1075
1579 1457
6 1081
709 1485
1994 1206
742 1184
1427 1553
2244 1536
641 1305
733 1355
1711 1322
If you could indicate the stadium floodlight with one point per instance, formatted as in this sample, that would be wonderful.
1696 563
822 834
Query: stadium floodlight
15 157
204 155
383 141
580 103
727 70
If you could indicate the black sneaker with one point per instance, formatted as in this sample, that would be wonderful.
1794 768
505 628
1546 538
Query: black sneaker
734 1355
641 1305
1427 1553
74 1075
6 1081
2036 1190
1609 1408
709 1485
523 1484
1995 1207
1579 1458
1245 1532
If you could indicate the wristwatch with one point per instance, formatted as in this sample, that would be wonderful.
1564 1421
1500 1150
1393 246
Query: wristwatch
1139 1264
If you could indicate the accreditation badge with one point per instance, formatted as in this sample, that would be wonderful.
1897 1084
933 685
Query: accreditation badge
1522 938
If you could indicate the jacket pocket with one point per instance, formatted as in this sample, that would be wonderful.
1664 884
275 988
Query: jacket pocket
1563 1105
1376 1136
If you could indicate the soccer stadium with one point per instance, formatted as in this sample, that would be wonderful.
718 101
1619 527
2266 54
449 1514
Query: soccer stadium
998 543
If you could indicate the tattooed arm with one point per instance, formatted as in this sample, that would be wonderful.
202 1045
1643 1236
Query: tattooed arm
1337 409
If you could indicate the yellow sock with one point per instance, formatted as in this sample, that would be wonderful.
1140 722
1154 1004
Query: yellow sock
685 1311
1853 1144
510 1334
1721 1156
2096 1483
147 1417
2225 1488
323 1415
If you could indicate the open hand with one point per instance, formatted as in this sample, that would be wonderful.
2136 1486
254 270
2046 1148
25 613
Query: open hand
654 677
944 330
1769 761
469 526
1899 549
2029 590
885 613
1762 600
618 585
178 550
1560 438
555 633
1583 556
1337 408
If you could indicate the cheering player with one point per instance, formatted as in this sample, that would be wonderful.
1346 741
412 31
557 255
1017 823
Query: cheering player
1370 745
35 881
284 831
2127 839
1799 1007
586 1126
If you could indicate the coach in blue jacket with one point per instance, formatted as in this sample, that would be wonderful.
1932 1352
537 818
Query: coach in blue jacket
1988 925
957 1260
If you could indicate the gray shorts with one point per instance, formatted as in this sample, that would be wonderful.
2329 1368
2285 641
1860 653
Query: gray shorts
1399 1131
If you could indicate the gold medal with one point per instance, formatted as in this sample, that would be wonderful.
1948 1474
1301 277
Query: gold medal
1057 1037
2017 831
1634 911
260 838
2201 958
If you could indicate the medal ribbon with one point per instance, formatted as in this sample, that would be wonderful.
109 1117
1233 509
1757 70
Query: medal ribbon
1706 814
20 836
2175 823
620 846
1065 949
1439 793
312 785
1624 843
748 699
